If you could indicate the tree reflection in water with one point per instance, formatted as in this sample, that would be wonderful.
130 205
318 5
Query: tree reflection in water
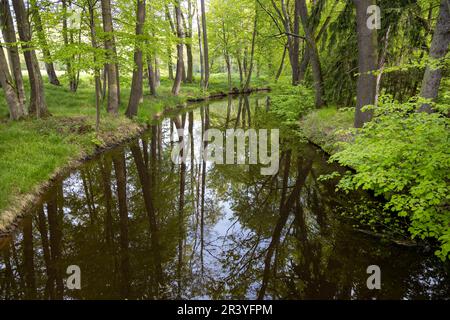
141 227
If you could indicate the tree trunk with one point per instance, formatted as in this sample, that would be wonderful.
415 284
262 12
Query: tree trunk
179 73
15 106
9 36
65 34
136 83
205 46
37 106
113 81
252 53
98 85
280 69
367 62
313 52
200 50
52 77
438 49
151 77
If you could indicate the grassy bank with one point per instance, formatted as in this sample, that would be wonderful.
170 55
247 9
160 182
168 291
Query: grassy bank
32 151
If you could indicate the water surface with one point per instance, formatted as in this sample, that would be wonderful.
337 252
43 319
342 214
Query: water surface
141 227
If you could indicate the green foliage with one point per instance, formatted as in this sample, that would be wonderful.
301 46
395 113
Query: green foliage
290 103
405 156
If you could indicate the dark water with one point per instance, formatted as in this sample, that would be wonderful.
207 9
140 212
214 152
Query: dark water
140 227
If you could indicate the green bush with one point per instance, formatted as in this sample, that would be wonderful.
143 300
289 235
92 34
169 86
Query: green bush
405 156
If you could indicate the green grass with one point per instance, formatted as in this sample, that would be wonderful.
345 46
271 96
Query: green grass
32 150
327 127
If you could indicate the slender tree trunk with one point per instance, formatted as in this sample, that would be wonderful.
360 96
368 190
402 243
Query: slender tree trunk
113 81
179 73
151 77
52 77
96 70
313 52
38 105
252 52
136 83
65 33
200 50
381 65
280 69
9 36
205 45
438 49
12 99
367 62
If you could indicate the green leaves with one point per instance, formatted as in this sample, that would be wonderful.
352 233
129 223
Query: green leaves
405 156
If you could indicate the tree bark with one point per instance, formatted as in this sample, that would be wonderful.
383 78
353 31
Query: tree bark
9 35
98 85
205 46
151 77
12 99
179 72
38 105
313 52
50 68
67 41
113 81
136 83
367 62
438 49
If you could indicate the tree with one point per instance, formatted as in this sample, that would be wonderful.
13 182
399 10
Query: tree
9 35
38 106
52 77
111 66
205 46
438 49
180 64
12 98
367 63
136 83
313 53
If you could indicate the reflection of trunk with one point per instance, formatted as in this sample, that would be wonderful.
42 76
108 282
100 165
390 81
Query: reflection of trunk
202 210
105 168
55 242
28 260
42 225
119 168
286 205
148 201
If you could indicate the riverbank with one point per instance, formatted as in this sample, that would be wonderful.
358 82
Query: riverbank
33 152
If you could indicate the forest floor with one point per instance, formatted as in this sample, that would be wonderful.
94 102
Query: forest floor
35 151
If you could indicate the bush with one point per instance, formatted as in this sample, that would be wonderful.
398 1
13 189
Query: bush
405 156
